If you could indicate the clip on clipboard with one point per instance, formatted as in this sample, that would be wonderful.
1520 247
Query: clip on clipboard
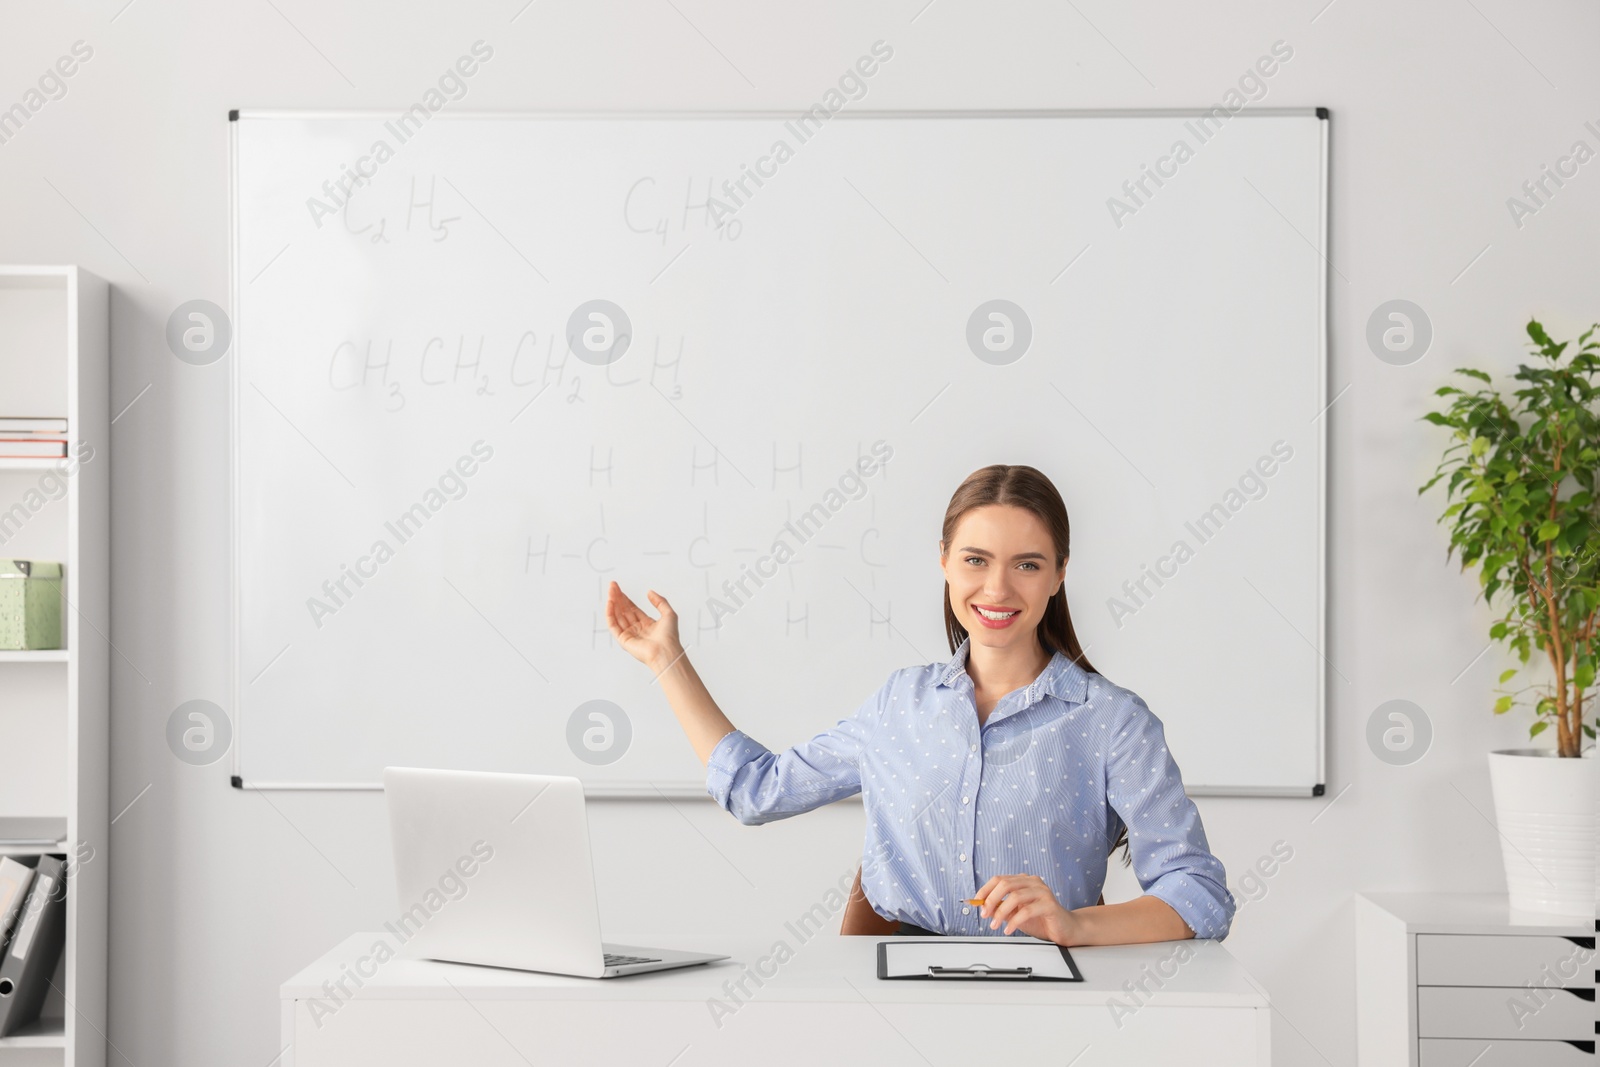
986 959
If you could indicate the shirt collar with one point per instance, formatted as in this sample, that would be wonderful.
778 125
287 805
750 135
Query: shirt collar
1061 677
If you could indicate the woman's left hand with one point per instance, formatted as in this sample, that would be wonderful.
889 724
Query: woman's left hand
1024 903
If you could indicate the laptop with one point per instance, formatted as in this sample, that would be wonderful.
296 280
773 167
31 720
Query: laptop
495 869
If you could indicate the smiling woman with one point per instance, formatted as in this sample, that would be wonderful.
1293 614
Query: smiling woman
992 781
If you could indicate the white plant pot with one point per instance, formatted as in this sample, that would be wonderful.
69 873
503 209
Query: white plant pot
1548 812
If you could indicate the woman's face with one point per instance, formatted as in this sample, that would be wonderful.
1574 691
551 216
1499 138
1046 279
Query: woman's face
999 566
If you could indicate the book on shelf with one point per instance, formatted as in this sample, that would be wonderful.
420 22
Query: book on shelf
32 447
15 878
43 830
12 425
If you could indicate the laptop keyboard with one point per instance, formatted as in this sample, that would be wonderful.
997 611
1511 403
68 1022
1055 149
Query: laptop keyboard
614 959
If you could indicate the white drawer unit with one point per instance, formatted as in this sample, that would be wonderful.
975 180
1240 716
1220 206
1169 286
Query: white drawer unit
1459 1052
1477 959
1509 1013
1459 980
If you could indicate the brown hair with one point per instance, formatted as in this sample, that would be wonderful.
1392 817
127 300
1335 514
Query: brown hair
1018 485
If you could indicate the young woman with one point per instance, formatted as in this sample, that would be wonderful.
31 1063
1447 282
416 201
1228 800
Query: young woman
1003 773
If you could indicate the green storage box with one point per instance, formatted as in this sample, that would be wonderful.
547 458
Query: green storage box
30 604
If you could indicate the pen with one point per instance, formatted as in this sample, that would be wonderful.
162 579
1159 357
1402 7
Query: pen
975 900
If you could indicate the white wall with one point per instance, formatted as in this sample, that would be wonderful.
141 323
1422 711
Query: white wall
1441 111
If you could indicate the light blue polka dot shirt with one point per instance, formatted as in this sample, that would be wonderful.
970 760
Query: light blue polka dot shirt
1043 788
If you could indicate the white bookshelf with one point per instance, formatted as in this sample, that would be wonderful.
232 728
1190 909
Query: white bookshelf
54 723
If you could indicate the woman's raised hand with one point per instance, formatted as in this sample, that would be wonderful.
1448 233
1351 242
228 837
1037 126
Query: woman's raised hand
653 642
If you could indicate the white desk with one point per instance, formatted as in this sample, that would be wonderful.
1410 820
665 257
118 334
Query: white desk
824 1004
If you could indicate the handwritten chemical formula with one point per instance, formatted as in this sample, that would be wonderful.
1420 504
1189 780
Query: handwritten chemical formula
649 208
487 365
426 218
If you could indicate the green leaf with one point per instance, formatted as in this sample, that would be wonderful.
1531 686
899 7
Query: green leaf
1506 676
1469 372
1538 728
1549 531
1480 445
1502 705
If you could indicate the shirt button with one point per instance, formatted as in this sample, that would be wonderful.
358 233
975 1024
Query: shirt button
972 748
966 911
964 799
963 857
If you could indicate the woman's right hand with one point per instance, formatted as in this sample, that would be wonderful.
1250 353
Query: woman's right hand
653 642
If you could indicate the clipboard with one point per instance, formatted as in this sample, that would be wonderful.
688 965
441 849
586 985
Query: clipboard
984 959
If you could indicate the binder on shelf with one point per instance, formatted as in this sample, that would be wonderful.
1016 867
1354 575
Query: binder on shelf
35 949
15 878
20 447
984 959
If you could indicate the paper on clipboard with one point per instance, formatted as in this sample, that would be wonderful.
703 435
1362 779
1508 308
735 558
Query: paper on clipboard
985 959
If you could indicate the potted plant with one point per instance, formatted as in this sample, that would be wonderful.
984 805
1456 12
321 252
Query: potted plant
1524 510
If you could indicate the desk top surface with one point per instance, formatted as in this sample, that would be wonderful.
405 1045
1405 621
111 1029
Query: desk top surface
826 967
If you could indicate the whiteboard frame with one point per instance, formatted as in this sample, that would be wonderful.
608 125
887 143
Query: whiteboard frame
664 790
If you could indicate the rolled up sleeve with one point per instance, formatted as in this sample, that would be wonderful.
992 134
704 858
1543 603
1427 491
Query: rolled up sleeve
1170 854
755 785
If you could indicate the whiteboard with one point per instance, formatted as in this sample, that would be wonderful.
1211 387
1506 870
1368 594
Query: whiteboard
420 368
